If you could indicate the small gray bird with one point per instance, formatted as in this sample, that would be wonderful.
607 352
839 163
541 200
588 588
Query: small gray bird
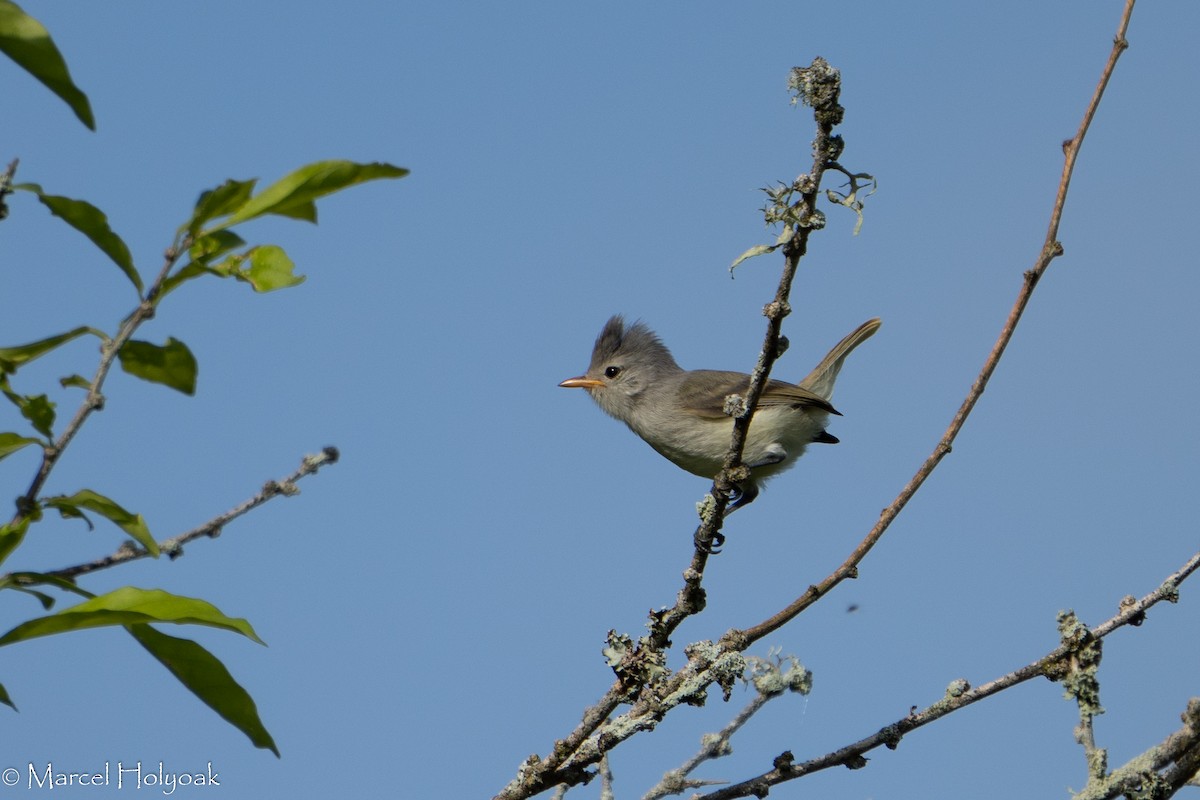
680 413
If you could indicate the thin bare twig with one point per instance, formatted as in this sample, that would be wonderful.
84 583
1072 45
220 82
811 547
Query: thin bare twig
173 547
712 746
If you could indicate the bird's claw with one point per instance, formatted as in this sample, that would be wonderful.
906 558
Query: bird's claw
742 494
710 547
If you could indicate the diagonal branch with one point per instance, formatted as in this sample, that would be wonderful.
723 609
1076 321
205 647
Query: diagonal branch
173 547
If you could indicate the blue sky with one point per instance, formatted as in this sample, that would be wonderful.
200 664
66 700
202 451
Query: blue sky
435 604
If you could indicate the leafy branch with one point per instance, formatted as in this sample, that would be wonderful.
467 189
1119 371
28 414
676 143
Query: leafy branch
204 245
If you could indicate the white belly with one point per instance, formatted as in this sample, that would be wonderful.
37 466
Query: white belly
700 446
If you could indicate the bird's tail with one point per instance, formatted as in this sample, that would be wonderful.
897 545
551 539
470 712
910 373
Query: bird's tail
820 381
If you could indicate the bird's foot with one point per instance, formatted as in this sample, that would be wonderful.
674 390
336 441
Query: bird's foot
710 547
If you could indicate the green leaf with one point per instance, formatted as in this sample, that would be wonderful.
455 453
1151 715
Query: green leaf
12 442
132 524
46 600
4 698
77 381
70 512
27 42
13 357
270 269
231 266
193 269
221 201
22 580
11 536
207 678
213 245
171 364
129 606
92 223
204 250
37 409
293 195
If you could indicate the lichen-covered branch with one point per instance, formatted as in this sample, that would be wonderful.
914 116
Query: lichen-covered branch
1055 665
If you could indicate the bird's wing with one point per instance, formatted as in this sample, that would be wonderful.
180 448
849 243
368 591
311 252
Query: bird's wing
779 393
705 391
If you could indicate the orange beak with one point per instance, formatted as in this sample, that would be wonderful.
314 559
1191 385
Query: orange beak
581 382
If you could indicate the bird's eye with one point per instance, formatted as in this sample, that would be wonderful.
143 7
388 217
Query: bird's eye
612 372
